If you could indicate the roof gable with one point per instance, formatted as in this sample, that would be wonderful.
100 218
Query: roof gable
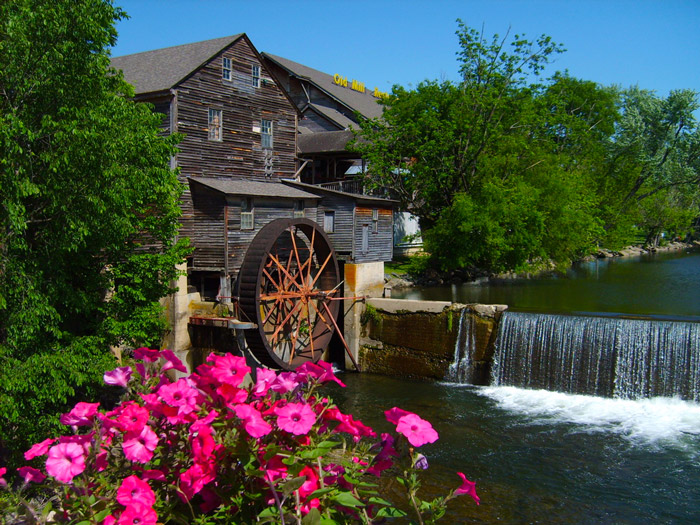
364 103
161 69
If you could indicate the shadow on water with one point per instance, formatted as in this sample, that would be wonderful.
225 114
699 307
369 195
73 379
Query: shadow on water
546 457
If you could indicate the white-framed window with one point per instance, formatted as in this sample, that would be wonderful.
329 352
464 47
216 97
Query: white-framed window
247 219
299 209
255 73
375 220
215 124
266 133
329 221
226 69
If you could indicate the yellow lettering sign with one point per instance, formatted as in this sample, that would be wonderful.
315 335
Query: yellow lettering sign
358 86
340 81
379 94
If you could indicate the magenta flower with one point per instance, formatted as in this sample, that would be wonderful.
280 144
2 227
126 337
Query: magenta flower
147 355
321 371
84 440
81 415
229 369
172 361
203 445
264 378
311 484
38 449
285 382
418 431
295 418
3 482
118 377
194 479
180 395
253 421
138 514
274 469
467 487
135 491
394 414
132 417
31 474
232 395
65 461
139 447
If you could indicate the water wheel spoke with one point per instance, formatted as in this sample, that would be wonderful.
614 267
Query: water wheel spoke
320 315
290 277
284 321
320 271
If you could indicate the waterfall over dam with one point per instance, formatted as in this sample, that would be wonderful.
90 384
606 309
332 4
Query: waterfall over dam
602 356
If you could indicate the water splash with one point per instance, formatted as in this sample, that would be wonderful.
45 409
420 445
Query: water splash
654 421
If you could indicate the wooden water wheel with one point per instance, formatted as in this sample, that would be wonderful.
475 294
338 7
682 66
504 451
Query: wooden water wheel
286 285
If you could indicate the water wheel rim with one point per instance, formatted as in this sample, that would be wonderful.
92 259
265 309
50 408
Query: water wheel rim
289 294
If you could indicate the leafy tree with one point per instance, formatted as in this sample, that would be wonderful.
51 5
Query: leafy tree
491 165
88 206
655 150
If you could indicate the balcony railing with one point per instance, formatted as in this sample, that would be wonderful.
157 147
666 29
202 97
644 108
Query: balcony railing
347 186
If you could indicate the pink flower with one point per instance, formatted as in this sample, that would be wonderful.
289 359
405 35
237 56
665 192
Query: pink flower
311 484
253 421
264 378
132 417
467 487
138 514
231 394
65 461
295 418
306 507
180 395
194 479
31 474
84 440
203 445
38 449
230 369
139 447
134 490
3 482
146 354
82 415
172 361
274 469
393 415
109 520
321 371
418 431
285 382
118 377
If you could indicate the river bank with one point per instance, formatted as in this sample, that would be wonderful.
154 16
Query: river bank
432 277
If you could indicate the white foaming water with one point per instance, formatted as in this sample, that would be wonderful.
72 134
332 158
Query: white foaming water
656 421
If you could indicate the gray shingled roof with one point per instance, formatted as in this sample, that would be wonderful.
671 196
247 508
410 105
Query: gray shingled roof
364 103
333 115
253 188
324 142
357 198
161 69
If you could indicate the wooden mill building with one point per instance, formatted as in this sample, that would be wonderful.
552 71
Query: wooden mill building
240 162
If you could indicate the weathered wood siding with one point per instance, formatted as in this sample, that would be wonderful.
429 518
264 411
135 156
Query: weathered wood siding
239 154
379 243
341 237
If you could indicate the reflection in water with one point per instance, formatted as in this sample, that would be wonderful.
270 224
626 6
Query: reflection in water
547 457
665 284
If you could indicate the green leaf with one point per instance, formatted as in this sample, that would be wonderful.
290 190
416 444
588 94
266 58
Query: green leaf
390 512
292 485
268 512
346 499
312 518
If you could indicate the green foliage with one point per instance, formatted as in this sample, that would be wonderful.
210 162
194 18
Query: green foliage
505 174
370 315
88 206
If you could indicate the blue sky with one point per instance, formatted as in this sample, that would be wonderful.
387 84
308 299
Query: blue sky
651 43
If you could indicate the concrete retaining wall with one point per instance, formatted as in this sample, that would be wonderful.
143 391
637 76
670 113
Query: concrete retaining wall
405 338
